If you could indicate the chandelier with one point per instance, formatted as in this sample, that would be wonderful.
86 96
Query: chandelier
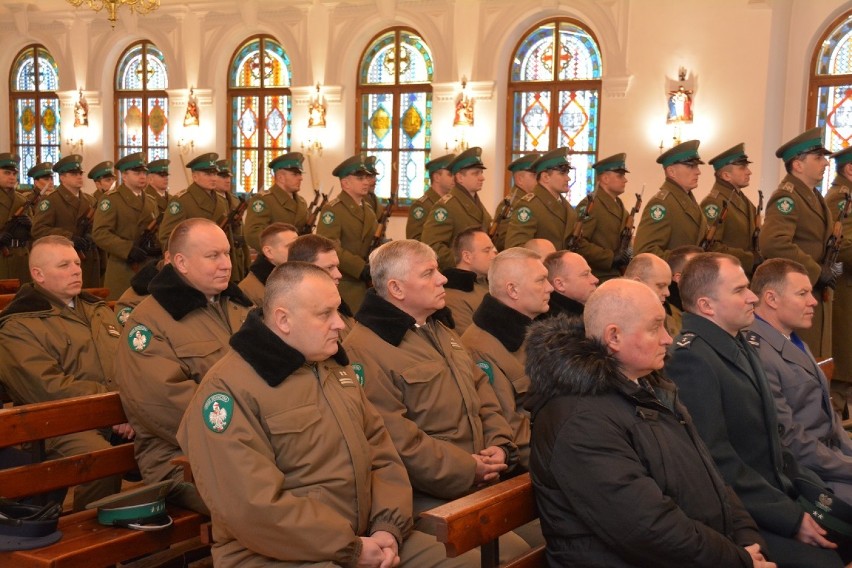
112 6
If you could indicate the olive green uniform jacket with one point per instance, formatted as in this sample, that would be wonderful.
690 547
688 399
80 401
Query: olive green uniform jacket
169 342
451 215
16 265
137 291
352 227
602 228
58 214
503 223
273 206
540 215
436 403
240 253
671 219
797 226
841 321
464 292
734 234
121 217
417 214
311 457
162 200
189 204
495 340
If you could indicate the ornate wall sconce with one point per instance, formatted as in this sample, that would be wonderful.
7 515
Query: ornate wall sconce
679 111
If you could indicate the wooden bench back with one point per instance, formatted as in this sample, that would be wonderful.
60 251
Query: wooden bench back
9 285
827 366
36 422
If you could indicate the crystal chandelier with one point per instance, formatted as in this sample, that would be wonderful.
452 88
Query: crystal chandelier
112 6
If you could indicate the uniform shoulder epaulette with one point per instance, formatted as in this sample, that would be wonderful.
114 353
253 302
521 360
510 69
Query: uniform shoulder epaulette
446 198
178 194
528 197
685 340
334 202
714 193
264 192
110 192
752 338
787 186
661 195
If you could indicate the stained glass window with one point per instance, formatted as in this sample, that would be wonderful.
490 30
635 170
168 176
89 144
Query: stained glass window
394 111
554 89
35 108
142 104
260 103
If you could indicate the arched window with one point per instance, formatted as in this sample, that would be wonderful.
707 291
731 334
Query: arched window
141 102
394 111
260 105
830 92
554 97
35 108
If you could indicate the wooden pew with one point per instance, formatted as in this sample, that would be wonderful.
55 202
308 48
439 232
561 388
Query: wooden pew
827 366
84 541
9 285
480 518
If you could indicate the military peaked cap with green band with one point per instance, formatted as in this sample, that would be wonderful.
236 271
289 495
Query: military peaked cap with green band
136 509
470 158
615 163
70 163
552 160
102 170
843 157
808 142
224 168
734 155
370 162
439 163
42 170
352 165
159 166
132 162
288 161
523 164
204 163
684 153
9 161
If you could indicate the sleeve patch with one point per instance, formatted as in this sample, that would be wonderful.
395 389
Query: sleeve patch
486 367
217 412
139 338
785 205
657 212
441 215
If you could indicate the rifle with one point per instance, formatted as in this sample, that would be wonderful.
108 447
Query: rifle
501 215
382 227
19 212
84 227
710 235
234 214
148 239
316 205
577 233
832 245
758 224
626 238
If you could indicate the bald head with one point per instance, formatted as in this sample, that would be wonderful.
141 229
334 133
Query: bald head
542 247
55 266
518 278
570 275
618 302
652 271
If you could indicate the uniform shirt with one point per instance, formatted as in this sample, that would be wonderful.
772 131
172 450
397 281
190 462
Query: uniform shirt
189 204
451 215
672 218
841 323
436 404
311 455
734 235
271 206
602 228
464 292
417 214
541 215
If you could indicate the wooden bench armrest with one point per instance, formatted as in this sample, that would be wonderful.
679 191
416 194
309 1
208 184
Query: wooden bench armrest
827 366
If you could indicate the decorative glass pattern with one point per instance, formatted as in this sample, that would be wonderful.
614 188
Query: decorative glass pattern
261 104
142 104
36 132
555 84
395 112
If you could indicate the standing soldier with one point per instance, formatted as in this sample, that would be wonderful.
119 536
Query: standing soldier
240 253
158 183
841 328
122 216
68 212
734 233
673 218
200 199
351 223
460 209
798 224
42 175
440 184
15 232
103 175
281 203
372 180
544 213
523 182
602 224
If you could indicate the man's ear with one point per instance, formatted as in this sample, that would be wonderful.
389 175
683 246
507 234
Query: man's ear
611 337
396 289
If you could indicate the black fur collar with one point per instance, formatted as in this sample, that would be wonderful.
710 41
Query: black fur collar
32 298
389 322
262 268
179 299
344 309
458 279
268 355
674 296
506 324
560 304
141 279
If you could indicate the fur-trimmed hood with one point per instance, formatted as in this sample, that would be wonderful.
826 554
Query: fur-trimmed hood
389 322
506 324
33 299
180 299
269 356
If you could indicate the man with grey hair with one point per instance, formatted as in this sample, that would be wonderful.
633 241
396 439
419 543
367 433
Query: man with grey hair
602 410
441 413
518 293
572 280
321 481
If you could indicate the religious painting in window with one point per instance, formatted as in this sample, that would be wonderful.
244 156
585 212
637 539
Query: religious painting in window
260 105
554 95
33 82
141 102
394 112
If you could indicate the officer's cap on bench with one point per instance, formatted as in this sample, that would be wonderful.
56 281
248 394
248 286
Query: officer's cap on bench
24 527
143 508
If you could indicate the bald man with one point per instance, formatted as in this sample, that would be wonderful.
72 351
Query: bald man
572 280
171 340
58 342
607 494
542 247
654 272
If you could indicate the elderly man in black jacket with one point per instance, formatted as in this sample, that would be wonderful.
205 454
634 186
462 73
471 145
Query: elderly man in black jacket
621 477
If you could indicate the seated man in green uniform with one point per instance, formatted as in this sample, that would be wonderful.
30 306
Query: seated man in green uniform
573 282
275 241
467 282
